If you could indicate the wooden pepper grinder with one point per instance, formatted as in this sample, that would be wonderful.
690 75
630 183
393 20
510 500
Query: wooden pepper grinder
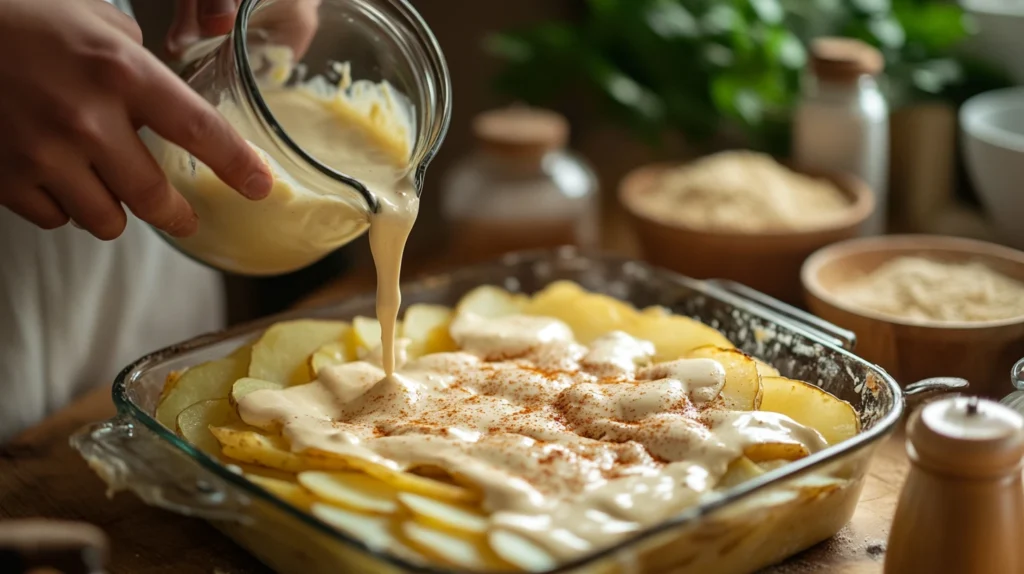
962 506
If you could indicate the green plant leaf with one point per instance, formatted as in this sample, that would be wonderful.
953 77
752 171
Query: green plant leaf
703 66
872 7
937 27
768 11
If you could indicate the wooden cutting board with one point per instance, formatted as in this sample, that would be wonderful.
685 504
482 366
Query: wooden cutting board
41 476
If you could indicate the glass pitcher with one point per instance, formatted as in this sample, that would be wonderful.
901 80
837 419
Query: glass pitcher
301 80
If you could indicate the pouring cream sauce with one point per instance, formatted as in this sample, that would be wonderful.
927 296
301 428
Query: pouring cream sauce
572 447
362 129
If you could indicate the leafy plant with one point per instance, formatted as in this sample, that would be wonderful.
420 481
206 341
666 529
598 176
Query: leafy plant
707 67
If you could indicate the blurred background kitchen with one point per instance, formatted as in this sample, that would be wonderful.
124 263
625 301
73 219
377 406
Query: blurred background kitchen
633 82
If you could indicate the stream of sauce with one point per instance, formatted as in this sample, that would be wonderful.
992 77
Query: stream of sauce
572 447
369 141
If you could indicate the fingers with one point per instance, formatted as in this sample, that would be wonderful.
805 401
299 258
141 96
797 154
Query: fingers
216 17
84 198
173 110
121 21
38 207
184 29
133 176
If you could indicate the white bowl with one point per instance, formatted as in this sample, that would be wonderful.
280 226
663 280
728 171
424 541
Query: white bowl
993 128
1000 33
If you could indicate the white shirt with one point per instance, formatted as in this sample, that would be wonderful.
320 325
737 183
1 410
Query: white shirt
75 310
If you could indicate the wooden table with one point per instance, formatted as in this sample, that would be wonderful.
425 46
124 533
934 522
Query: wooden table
40 475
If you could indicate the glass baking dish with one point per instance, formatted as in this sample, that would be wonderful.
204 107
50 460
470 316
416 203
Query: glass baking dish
738 530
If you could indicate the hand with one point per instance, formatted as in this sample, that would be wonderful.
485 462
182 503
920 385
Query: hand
198 19
292 23
77 86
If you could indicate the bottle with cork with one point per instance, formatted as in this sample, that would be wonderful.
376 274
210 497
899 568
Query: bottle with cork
961 510
520 189
842 121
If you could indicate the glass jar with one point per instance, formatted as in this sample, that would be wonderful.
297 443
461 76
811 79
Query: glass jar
372 66
842 121
520 189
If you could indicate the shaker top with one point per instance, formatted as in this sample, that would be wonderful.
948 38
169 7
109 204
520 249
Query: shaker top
966 436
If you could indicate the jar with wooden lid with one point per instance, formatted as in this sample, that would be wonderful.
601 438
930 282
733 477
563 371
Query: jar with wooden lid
842 121
521 188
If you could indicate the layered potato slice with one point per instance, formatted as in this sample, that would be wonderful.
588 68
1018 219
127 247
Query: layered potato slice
282 354
212 380
431 517
811 406
742 390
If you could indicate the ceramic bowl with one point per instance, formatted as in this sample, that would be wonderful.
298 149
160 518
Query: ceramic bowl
766 261
993 140
981 352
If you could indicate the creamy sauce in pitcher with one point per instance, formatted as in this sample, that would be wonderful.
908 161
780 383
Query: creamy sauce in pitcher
365 133
362 129
573 447
372 147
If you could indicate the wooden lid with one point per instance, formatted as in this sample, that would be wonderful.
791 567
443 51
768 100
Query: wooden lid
966 437
520 130
844 59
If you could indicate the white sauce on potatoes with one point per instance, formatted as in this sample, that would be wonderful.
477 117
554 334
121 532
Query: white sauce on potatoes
571 447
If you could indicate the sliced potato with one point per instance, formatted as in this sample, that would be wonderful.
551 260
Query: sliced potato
367 333
766 370
245 445
374 531
811 406
247 385
281 355
742 390
675 336
203 382
193 424
169 383
491 302
769 451
426 327
470 552
352 490
520 552
741 470
589 315
333 353
409 482
444 515
288 491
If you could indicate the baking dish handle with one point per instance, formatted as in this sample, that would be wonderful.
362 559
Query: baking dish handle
128 456
817 327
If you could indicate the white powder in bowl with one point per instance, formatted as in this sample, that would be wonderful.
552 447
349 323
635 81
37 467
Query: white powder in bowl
921 289
742 191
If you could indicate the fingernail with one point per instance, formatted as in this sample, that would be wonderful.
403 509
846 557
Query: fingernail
258 185
216 8
216 17
188 226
